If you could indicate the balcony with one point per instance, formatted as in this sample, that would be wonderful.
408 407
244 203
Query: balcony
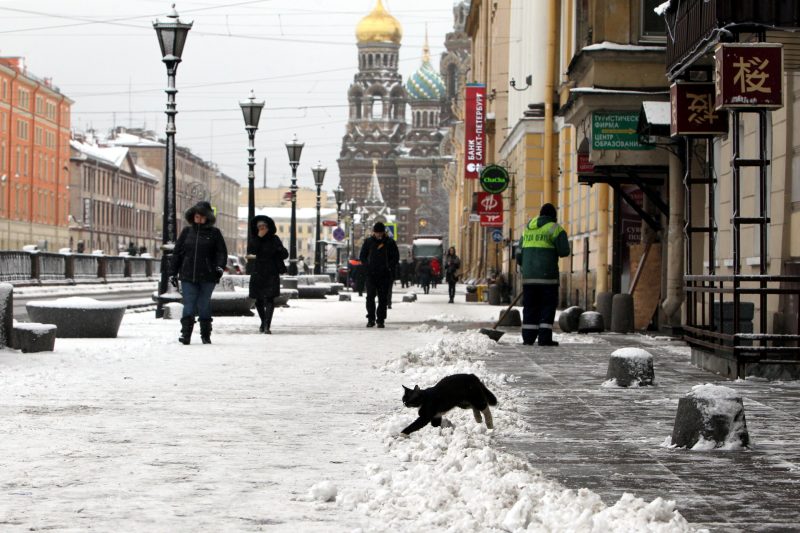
695 26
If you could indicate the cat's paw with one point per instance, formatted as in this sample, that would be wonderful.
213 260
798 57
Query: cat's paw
402 435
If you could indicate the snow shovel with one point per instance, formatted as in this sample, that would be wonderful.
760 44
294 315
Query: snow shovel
495 333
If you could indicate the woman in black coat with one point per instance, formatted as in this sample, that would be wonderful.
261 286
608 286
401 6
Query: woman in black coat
267 254
452 264
199 259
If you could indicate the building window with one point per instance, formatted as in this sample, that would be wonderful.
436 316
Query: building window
423 186
652 25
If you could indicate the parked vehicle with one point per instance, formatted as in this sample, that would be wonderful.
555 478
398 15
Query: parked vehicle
427 247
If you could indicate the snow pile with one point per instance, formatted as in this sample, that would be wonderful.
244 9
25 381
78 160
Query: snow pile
634 354
444 317
77 302
455 479
452 347
324 491
661 9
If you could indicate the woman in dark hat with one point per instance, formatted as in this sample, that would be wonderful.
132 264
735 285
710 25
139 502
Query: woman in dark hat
267 254
199 259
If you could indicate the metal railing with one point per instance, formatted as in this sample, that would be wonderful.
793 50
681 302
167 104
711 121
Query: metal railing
698 24
21 267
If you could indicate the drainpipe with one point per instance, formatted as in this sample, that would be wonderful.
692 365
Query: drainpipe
549 91
601 273
675 243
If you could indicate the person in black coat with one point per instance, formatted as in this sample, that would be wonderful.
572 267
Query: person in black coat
452 264
267 254
199 259
425 275
379 257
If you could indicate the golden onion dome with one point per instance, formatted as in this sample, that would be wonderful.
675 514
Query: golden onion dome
379 27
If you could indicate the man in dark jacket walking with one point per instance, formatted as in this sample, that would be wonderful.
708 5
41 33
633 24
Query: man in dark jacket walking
199 259
379 257
543 243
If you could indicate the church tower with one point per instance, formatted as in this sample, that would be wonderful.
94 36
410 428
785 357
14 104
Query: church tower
376 126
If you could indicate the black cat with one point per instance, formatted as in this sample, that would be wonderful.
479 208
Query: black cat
459 390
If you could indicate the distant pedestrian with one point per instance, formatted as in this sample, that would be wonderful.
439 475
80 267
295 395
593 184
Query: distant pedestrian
379 257
267 265
436 271
199 259
543 242
403 270
301 265
425 272
452 266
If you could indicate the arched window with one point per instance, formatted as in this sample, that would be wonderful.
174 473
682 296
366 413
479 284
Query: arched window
370 61
357 106
385 60
431 121
377 107
424 120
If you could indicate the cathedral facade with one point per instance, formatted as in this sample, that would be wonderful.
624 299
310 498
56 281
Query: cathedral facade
407 156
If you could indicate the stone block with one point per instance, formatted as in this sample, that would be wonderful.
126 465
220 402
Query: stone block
569 318
622 313
604 304
590 322
710 416
631 366
31 337
511 320
231 304
79 317
289 282
6 313
226 284
410 297
344 298
173 311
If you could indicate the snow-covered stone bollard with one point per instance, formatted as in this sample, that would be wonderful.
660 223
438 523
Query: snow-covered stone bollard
289 282
173 311
631 366
710 416
6 313
590 322
411 297
344 297
79 317
569 318
32 337
622 313
511 320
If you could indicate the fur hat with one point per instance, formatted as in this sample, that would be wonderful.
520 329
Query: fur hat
548 210
201 208
379 227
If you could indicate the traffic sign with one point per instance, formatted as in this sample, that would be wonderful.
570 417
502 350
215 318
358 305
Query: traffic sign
391 230
338 234
329 223
494 179
497 235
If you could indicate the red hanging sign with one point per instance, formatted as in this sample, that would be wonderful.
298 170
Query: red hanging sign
492 221
692 110
474 139
490 204
749 75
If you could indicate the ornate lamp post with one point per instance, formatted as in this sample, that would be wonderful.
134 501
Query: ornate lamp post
351 246
319 177
251 110
338 193
172 35
295 148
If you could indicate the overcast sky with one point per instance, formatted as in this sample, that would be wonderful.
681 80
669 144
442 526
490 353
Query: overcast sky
298 55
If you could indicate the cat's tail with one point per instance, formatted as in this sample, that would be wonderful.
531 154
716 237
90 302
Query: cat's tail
490 398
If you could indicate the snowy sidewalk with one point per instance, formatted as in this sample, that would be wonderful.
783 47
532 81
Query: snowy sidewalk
297 431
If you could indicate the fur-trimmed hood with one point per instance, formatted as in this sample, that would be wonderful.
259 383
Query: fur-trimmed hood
271 229
203 208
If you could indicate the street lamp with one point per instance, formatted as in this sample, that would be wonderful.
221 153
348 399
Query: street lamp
351 246
172 35
295 148
252 113
319 177
338 194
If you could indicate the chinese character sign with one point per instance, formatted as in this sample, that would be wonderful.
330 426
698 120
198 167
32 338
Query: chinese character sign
692 110
474 141
749 75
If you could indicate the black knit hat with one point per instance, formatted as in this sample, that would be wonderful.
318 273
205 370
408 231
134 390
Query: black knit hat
379 227
548 210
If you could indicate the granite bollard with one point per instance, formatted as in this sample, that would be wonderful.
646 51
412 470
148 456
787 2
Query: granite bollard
569 319
590 322
631 366
710 416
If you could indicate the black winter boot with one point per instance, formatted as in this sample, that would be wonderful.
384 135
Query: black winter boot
205 331
187 325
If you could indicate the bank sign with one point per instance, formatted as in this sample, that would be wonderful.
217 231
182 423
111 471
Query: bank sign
616 130
474 140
